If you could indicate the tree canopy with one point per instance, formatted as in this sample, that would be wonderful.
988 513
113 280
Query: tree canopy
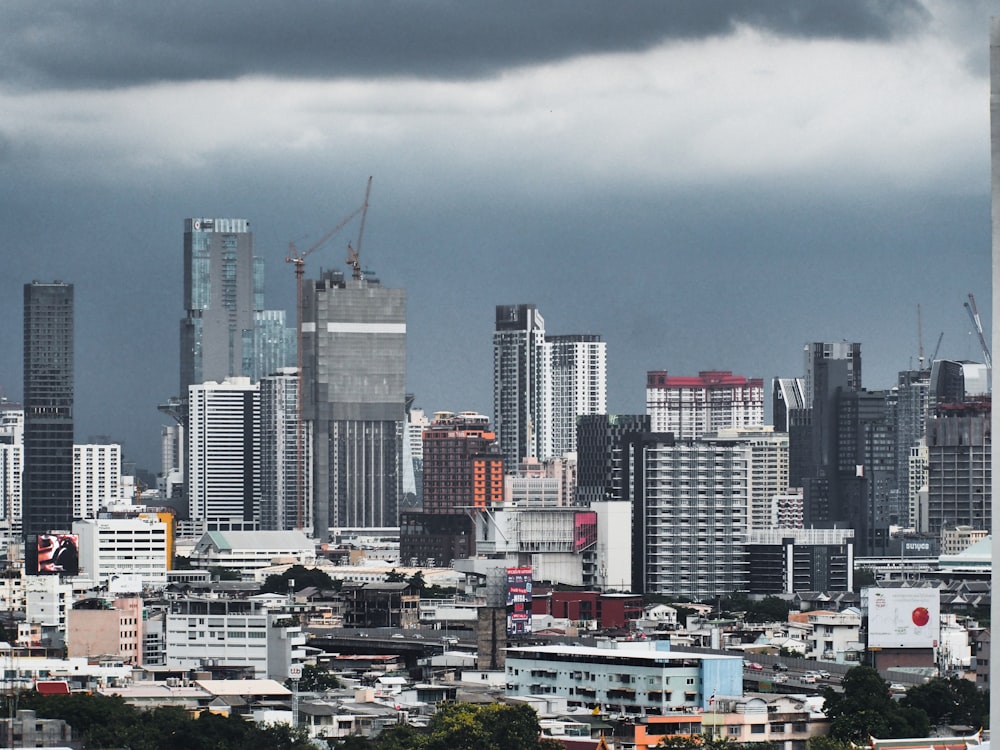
102 721
866 709
464 726
304 578
951 701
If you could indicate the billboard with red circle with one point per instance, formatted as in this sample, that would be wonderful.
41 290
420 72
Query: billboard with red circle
904 617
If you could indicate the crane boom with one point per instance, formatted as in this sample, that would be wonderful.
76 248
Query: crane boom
354 254
970 307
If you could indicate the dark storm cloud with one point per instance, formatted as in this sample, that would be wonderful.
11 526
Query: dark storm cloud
115 44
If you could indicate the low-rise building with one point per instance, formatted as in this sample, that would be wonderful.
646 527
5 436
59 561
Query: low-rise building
639 679
232 632
833 636
247 551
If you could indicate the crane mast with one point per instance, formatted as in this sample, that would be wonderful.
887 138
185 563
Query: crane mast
970 307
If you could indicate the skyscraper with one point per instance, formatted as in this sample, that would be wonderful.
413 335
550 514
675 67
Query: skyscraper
354 392
223 286
48 407
226 332
575 383
518 351
541 384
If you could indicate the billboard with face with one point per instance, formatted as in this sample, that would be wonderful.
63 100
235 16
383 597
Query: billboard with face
51 554
904 617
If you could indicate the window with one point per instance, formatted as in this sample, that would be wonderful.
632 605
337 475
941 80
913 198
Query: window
757 729
733 730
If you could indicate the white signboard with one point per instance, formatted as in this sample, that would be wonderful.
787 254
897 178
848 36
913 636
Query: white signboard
295 672
904 618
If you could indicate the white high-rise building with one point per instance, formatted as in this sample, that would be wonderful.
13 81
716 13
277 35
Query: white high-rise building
690 515
285 455
714 400
96 478
541 384
11 463
171 478
768 478
574 383
413 455
222 436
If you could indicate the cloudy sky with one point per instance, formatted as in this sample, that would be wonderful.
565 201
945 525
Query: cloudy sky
706 184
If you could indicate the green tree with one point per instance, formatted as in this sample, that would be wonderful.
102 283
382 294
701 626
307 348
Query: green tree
304 578
315 679
863 577
417 582
950 701
827 743
865 709
394 576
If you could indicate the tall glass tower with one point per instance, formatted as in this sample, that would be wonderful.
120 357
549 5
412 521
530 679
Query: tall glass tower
47 484
223 287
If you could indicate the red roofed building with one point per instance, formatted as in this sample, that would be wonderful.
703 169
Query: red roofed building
715 400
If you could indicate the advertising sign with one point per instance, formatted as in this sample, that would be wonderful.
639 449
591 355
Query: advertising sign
904 618
48 554
518 601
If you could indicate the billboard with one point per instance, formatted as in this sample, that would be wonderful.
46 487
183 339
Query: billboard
518 601
904 618
49 554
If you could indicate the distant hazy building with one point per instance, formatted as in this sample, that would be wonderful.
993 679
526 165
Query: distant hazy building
48 407
690 407
285 455
354 380
911 408
223 490
226 332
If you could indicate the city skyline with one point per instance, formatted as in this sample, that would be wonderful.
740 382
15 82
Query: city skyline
706 187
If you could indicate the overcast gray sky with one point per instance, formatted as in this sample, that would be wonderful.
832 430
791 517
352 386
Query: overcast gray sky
708 185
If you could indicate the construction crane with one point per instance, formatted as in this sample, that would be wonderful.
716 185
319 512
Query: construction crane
298 258
920 340
970 307
937 348
354 255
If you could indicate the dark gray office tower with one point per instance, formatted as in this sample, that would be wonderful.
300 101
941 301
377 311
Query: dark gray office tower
911 413
830 369
354 393
865 482
47 482
599 442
